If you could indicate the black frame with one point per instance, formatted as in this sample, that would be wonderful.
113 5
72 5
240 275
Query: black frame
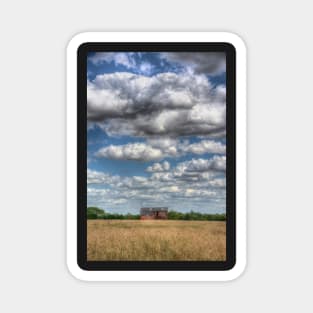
82 53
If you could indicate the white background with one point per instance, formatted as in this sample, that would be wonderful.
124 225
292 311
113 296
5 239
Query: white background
33 274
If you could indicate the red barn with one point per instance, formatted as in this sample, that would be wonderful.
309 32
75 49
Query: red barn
153 213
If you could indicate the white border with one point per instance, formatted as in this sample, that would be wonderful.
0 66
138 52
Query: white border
72 47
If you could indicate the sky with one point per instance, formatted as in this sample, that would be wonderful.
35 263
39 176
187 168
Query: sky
156 132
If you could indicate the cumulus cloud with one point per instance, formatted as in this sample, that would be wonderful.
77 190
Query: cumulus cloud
196 171
118 58
165 104
171 115
168 146
95 177
160 148
159 167
119 201
206 146
211 63
217 163
189 192
146 68
131 151
190 182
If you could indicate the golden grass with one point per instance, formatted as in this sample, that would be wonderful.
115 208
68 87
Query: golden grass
169 240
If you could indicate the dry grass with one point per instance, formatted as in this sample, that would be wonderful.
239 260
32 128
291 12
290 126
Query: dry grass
156 240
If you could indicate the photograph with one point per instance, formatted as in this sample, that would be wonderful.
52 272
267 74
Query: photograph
156 156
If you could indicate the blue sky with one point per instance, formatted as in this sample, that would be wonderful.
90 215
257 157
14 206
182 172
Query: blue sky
156 131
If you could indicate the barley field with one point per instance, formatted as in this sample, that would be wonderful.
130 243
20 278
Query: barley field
154 240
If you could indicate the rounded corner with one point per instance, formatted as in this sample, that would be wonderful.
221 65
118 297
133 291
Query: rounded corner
76 271
237 270
236 40
230 264
76 41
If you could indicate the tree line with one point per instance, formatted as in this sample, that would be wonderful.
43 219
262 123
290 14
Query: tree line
96 213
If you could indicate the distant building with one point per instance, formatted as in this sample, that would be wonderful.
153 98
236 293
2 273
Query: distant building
153 213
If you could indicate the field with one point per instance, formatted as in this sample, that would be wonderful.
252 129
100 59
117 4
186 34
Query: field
169 240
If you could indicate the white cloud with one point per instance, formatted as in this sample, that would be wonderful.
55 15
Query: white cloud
118 58
185 186
170 189
217 163
206 146
166 104
95 177
159 167
166 166
165 109
189 192
202 173
160 148
145 68
131 151
119 201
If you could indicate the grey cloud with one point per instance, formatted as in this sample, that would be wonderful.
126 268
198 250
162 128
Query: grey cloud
217 163
165 104
195 171
211 63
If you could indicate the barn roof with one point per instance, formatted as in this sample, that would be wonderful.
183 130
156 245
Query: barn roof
153 209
